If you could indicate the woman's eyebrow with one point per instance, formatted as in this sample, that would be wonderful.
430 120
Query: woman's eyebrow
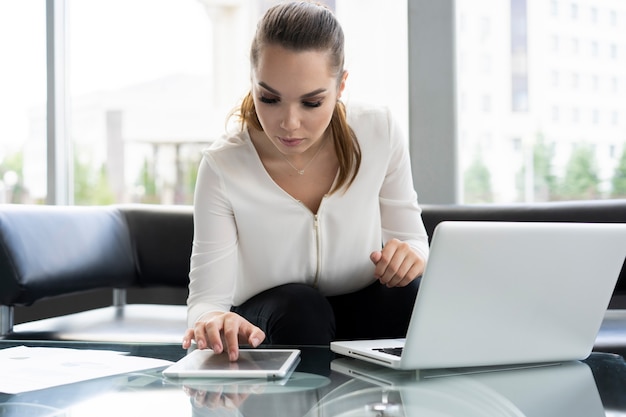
307 95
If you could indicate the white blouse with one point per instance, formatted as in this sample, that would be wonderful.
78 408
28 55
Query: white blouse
250 235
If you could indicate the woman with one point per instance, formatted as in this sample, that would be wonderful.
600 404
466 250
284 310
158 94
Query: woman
307 227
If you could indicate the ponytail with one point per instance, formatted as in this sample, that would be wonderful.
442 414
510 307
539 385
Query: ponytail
346 147
247 113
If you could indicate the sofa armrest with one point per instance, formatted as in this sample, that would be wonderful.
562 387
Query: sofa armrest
47 251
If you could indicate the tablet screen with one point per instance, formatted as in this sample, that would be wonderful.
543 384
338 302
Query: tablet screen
269 363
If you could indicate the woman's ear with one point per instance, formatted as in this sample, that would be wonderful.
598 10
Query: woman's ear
342 84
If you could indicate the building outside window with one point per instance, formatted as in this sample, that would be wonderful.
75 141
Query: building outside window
591 136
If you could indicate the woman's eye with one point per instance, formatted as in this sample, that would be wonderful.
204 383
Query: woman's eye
312 104
268 100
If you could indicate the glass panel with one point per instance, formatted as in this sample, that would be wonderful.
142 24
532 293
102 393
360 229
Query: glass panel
545 120
23 101
141 98
152 82
377 54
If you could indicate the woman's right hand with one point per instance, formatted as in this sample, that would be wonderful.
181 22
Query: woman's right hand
223 332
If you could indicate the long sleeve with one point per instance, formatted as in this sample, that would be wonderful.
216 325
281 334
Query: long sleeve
400 213
214 252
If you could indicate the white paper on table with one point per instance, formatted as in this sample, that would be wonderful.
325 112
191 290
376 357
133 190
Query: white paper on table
25 369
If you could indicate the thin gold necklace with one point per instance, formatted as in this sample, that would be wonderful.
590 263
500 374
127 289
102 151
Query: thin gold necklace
301 171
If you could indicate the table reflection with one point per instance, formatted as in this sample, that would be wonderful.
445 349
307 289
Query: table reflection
566 389
297 393
325 385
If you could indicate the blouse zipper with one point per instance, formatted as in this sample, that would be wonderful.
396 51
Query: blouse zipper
318 251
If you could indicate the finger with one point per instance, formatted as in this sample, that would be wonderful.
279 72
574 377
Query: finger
211 330
392 260
399 277
375 257
187 338
411 268
231 401
388 260
401 258
214 399
251 334
199 335
399 281
405 273
256 337
200 398
417 269
231 336
383 263
394 272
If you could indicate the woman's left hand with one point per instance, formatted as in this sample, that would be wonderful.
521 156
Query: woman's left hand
397 264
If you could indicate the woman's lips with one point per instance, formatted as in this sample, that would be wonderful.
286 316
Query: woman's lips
290 141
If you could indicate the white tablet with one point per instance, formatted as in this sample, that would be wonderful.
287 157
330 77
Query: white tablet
252 363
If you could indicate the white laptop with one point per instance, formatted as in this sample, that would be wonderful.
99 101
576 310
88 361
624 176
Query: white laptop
503 293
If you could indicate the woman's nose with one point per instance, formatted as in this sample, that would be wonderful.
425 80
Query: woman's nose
290 119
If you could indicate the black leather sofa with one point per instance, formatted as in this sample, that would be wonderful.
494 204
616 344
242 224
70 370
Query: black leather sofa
69 253
50 252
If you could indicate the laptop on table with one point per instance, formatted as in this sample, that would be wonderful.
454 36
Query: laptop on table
505 293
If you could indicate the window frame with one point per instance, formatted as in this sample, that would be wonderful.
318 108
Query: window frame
59 170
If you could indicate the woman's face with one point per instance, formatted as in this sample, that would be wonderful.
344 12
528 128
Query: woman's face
294 94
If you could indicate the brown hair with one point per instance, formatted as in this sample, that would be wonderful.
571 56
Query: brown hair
304 26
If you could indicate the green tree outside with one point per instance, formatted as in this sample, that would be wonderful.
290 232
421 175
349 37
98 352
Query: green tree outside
581 176
618 183
545 180
91 186
147 182
477 183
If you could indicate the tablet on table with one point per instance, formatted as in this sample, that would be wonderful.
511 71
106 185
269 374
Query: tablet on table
252 363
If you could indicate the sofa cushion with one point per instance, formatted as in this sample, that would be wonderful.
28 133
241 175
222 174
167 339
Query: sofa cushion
47 251
161 238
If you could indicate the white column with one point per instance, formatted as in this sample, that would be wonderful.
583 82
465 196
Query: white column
233 26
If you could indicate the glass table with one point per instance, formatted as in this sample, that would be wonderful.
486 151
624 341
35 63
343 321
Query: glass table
324 384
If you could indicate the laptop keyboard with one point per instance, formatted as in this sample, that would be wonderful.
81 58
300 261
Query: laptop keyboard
397 351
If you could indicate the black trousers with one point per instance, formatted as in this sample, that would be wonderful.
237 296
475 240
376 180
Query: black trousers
296 314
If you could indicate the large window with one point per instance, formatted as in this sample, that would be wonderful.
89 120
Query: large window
142 98
22 99
510 101
144 85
